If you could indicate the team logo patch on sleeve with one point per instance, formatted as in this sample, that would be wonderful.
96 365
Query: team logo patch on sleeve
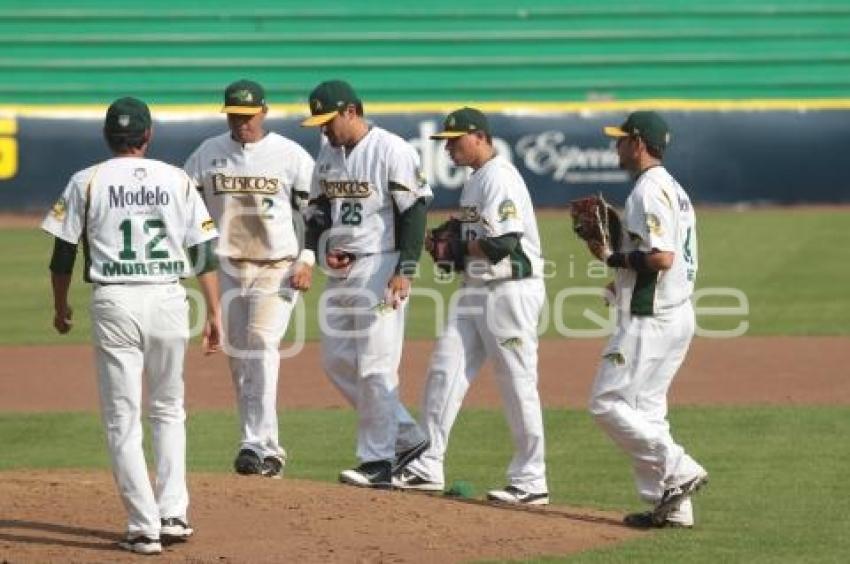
654 225
507 210
208 225
421 179
469 214
59 208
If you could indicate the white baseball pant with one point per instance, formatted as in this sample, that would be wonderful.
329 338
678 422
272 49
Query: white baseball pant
629 396
136 328
361 350
498 322
256 306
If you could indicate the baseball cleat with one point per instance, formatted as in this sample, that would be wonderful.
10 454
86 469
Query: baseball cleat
673 496
645 520
374 474
407 480
174 530
247 462
405 457
141 545
516 496
272 467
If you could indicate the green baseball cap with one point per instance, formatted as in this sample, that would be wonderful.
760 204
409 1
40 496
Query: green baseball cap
244 97
462 121
647 125
127 115
327 99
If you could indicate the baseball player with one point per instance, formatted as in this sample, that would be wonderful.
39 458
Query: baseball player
368 205
653 281
255 183
494 315
135 216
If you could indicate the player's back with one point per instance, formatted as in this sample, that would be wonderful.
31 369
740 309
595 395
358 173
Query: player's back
137 216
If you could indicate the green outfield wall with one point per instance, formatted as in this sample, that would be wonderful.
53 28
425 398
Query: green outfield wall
172 52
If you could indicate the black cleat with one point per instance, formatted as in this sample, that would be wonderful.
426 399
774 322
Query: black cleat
672 497
272 467
174 530
516 496
374 474
247 463
645 520
407 480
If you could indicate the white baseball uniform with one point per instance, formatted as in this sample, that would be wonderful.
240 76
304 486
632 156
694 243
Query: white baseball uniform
135 217
251 189
654 330
495 315
362 337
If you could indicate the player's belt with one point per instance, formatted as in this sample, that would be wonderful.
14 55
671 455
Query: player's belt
262 261
669 307
158 283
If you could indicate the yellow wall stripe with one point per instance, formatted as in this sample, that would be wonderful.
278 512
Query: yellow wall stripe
660 104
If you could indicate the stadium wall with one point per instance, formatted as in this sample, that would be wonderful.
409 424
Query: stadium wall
721 155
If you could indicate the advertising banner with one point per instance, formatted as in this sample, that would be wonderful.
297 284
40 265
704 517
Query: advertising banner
773 157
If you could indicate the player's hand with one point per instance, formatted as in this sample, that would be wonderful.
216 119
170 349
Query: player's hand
62 319
398 289
302 277
212 333
338 259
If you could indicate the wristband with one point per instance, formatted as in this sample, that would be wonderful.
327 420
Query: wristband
616 260
637 262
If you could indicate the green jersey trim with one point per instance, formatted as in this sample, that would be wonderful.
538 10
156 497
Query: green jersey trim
643 296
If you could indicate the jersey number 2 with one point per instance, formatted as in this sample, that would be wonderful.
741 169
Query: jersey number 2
157 226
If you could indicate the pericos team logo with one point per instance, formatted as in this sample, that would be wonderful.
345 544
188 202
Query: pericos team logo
469 214
507 210
243 96
59 209
345 188
223 184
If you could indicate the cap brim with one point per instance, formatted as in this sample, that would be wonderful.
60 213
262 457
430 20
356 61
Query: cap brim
242 110
318 119
612 131
449 134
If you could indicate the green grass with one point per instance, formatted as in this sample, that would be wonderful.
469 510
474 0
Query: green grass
784 261
778 491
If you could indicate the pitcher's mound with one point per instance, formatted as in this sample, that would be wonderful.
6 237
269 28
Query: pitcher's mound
75 516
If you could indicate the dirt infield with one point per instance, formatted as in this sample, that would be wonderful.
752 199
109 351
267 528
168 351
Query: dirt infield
742 371
258 520
73 516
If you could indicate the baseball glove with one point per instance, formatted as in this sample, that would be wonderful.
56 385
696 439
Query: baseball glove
595 221
444 243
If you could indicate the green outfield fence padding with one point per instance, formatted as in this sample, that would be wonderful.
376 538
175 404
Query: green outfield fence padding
172 52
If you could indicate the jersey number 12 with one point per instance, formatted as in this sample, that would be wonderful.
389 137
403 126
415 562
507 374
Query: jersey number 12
156 227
